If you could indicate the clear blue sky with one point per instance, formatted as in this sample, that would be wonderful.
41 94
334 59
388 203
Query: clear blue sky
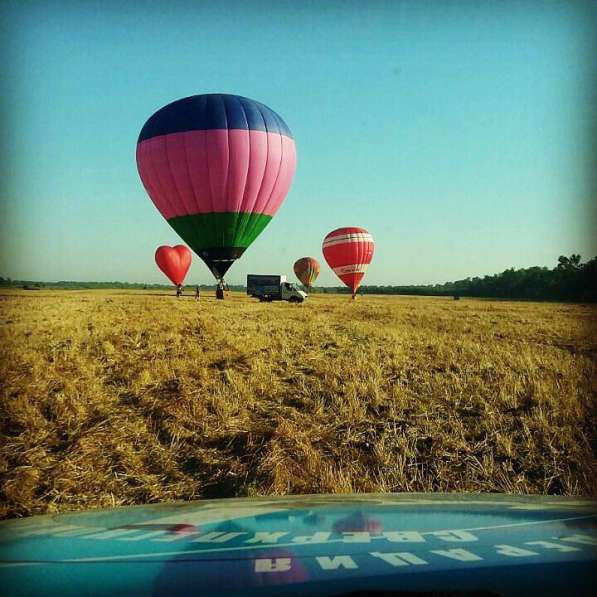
458 134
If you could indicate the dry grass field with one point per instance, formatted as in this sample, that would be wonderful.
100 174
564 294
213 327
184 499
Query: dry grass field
112 398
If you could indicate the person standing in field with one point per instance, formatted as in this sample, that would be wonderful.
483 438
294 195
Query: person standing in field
220 291
197 293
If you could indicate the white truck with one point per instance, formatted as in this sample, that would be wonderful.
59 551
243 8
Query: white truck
273 288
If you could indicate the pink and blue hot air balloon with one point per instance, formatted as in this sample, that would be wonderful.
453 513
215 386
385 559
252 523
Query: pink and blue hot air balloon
217 167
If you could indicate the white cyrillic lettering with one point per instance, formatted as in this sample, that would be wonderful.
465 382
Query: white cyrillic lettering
401 558
266 537
273 565
314 538
514 552
336 562
74 531
556 546
454 536
177 536
404 537
582 539
143 536
217 537
462 555
47 530
110 534
356 537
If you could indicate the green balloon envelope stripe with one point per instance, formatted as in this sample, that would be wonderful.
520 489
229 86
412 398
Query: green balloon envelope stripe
220 237
220 229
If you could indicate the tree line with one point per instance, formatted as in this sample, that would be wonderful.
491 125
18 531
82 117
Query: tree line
569 280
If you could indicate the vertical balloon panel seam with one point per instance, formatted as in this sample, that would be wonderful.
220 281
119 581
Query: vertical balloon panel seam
191 180
362 260
246 219
271 194
189 199
264 169
268 132
168 172
265 166
209 148
224 232
205 160
285 173
278 120
246 135
360 253
174 175
151 162
227 185
145 179
265 209
174 195
149 154
241 224
227 129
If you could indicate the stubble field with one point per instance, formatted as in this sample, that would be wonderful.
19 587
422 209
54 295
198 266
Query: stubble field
115 397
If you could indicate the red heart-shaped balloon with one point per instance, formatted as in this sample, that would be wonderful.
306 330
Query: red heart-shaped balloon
174 262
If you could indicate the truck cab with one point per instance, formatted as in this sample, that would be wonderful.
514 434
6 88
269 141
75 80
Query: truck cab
269 288
293 294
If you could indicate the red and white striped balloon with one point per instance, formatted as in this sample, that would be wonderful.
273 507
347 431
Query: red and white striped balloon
348 251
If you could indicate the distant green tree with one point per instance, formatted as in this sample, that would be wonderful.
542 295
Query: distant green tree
571 263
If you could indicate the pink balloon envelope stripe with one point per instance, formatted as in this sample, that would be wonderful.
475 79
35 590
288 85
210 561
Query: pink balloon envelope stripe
231 170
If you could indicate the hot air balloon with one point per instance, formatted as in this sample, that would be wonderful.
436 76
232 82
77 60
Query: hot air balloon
217 167
306 269
348 251
174 262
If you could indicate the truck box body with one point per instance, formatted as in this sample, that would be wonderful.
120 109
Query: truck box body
270 285
273 287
